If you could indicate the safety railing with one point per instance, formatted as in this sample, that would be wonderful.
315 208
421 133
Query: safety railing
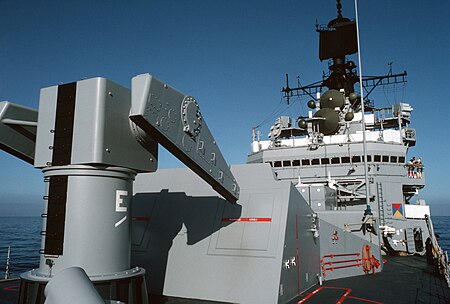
331 262
414 170
8 260
438 256
16 259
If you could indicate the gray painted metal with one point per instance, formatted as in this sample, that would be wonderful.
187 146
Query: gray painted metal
269 247
18 130
348 221
71 286
340 249
97 226
102 133
96 234
107 151
389 182
320 197
175 120
261 250
110 287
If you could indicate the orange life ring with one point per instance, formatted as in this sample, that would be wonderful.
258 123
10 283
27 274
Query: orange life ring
367 262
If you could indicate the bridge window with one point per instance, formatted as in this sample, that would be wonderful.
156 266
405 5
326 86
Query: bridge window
315 161
356 159
325 161
401 159
305 162
296 163
277 164
335 160
369 158
377 158
385 158
345 160
393 159
286 163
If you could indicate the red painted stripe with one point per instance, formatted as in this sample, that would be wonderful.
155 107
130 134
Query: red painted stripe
345 266
140 218
343 261
341 299
364 300
12 288
339 255
247 219
344 297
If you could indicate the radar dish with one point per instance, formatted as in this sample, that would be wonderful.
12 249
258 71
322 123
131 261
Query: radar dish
329 125
332 99
311 104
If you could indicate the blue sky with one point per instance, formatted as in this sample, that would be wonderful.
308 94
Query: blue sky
232 56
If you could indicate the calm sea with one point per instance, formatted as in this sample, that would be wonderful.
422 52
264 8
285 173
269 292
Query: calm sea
23 235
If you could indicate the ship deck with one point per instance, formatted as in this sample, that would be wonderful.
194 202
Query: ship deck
9 291
404 280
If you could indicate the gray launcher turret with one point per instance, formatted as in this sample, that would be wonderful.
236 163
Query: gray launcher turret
92 139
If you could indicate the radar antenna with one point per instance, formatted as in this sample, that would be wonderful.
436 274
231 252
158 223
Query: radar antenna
339 8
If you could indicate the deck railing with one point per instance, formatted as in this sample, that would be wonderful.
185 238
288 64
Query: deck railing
15 259
8 259
414 170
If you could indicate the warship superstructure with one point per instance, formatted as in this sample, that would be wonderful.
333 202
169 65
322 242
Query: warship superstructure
322 151
322 199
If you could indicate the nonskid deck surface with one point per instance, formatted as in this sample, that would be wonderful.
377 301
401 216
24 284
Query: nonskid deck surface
9 291
403 280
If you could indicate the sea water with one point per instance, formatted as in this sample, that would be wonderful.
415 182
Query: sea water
441 226
23 235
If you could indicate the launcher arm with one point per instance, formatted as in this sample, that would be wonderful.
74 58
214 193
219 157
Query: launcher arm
18 130
175 121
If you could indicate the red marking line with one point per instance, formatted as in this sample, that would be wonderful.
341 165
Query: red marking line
247 219
297 255
11 288
345 296
140 218
341 299
339 255
342 261
344 266
333 259
364 300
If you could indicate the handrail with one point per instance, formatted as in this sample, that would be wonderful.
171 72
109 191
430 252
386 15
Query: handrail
8 257
339 255
357 262
12 263
442 258
343 261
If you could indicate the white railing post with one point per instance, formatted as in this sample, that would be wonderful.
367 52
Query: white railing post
8 256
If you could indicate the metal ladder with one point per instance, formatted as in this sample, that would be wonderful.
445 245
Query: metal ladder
380 203
410 243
